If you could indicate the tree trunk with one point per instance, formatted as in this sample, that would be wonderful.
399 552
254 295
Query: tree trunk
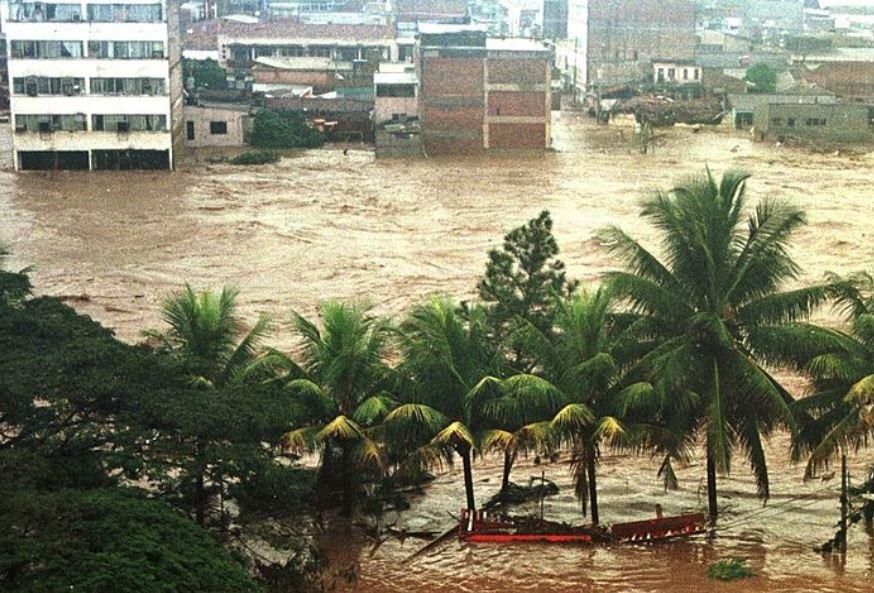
711 486
346 480
200 499
509 460
593 488
468 477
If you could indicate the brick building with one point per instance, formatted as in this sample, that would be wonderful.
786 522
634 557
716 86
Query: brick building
479 94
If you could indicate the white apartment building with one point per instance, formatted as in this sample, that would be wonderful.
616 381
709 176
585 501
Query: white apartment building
94 84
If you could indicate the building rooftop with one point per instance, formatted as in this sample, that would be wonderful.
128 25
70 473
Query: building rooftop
416 10
302 63
440 28
515 44
395 78
748 103
205 34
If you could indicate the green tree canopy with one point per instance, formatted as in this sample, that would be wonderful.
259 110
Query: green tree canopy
108 540
763 78
284 128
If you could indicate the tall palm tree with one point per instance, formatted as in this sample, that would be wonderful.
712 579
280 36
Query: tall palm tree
703 306
343 381
456 371
208 338
582 359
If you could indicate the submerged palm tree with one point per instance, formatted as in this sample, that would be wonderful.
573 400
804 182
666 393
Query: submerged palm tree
456 372
581 358
342 381
705 305
208 338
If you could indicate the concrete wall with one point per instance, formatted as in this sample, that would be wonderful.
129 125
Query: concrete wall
843 123
200 117
299 77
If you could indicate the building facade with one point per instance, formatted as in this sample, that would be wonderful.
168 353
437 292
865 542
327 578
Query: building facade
480 94
95 84
836 123
624 36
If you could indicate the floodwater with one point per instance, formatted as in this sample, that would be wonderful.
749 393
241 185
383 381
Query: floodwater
321 225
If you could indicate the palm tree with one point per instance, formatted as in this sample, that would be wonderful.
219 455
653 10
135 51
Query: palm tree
582 359
704 306
208 338
456 372
343 381
840 412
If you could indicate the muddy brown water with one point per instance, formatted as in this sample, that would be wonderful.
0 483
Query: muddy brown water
321 225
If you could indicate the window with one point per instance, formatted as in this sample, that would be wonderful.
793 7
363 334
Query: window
124 13
672 73
189 130
33 86
41 12
685 74
661 75
776 121
126 50
47 49
218 127
790 122
131 123
50 123
634 55
814 121
696 74
395 90
128 86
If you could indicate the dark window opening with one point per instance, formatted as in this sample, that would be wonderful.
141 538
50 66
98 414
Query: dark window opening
218 127
126 160
189 130
47 160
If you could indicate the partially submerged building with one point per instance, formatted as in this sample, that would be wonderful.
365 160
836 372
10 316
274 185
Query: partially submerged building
816 123
94 85
744 106
217 125
478 93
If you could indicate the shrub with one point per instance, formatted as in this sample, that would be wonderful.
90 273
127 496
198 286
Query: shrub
284 128
729 570
255 157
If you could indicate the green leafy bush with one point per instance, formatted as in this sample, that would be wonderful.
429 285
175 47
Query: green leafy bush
729 570
284 128
255 157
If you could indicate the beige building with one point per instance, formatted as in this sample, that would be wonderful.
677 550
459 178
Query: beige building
395 92
217 125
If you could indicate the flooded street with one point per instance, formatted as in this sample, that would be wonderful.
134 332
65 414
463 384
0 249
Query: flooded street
322 225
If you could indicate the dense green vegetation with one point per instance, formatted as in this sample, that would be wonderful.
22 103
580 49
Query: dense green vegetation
158 464
255 157
762 77
284 128
207 74
729 570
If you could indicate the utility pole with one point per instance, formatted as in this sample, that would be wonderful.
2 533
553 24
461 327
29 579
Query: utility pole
844 500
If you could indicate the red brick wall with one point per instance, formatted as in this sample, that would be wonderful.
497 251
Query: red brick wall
527 71
514 136
522 103
452 77
463 119
441 145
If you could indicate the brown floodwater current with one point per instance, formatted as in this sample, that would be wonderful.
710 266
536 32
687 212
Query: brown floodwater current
323 225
